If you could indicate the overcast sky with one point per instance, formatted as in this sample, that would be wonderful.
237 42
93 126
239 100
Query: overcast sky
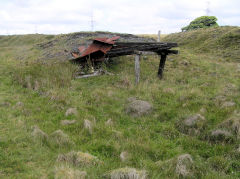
128 16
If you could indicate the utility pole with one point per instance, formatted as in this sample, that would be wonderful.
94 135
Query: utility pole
92 23
208 8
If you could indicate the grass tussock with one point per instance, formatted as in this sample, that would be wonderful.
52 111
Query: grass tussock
66 172
79 159
41 76
129 173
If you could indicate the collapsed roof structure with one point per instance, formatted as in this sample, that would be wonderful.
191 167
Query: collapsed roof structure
102 48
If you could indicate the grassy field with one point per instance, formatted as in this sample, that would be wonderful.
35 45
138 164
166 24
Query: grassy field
35 96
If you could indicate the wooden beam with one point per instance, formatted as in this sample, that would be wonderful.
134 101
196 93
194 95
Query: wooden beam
137 67
162 64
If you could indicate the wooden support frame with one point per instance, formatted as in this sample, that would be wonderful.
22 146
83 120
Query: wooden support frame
137 66
163 58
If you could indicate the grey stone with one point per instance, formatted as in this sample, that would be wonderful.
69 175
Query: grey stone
221 135
138 108
67 122
71 111
184 165
192 120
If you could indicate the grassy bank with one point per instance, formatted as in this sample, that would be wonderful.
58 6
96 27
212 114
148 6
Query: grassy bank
39 94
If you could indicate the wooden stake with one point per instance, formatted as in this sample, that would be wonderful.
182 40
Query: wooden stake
159 33
161 65
137 67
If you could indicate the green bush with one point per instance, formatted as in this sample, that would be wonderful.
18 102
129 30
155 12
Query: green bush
201 22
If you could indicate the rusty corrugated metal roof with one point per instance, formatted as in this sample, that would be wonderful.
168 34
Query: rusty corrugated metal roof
99 44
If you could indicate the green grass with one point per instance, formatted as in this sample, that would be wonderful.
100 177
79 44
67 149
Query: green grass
218 41
184 91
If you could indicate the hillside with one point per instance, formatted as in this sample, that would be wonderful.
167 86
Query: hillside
219 41
53 125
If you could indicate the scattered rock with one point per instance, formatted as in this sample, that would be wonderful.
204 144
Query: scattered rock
5 104
38 134
19 103
79 159
28 82
202 110
220 99
168 90
109 122
192 120
88 125
138 108
67 122
185 62
238 149
124 156
184 165
228 104
60 138
65 172
36 86
221 135
127 173
117 134
131 99
232 124
178 167
192 125
71 111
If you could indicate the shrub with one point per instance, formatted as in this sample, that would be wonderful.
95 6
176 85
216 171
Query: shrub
201 22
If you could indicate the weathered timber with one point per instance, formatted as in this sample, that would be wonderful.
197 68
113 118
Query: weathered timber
127 44
162 64
103 49
115 52
137 67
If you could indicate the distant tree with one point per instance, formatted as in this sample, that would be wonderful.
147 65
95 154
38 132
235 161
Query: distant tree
201 22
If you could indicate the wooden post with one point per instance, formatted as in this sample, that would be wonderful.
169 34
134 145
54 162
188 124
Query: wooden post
161 65
159 33
137 67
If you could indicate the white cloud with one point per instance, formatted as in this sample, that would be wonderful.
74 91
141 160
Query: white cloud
135 16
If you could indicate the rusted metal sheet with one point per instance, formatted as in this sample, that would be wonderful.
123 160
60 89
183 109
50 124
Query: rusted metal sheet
99 47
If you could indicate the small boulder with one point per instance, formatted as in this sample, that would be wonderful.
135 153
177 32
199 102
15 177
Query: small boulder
59 138
109 122
228 104
7 104
192 120
88 125
168 90
221 135
238 149
65 172
232 124
131 99
39 135
184 165
67 122
71 111
124 156
127 173
19 103
192 125
138 108
78 159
